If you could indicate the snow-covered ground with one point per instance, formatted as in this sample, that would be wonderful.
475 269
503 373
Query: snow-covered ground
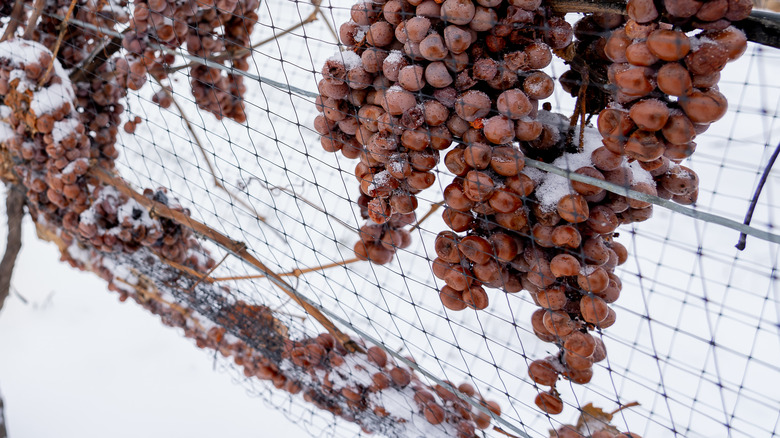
78 363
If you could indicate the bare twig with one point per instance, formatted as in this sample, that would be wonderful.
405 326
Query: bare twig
294 273
36 13
301 198
15 209
185 269
326 21
63 27
749 216
17 16
239 249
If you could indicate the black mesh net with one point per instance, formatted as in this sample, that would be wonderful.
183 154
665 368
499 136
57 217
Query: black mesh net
517 230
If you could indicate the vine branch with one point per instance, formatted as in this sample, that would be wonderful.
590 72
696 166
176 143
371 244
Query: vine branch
15 209
17 16
3 432
239 249
31 22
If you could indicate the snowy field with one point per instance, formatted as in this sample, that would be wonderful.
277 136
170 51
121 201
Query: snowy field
696 341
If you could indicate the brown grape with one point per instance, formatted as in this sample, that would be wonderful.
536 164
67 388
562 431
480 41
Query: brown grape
543 372
549 403
593 309
668 45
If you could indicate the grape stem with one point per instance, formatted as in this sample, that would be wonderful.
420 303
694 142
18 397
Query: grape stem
14 203
97 58
749 216
626 406
294 273
207 274
183 268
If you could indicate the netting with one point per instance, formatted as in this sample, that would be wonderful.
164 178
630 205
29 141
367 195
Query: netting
183 152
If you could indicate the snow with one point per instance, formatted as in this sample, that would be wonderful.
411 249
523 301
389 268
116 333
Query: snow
72 351
88 217
6 132
20 51
351 59
72 165
395 56
639 175
122 272
380 179
360 33
536 175
129 208
396 165
49 99
46 100
80 254
63 128
553 187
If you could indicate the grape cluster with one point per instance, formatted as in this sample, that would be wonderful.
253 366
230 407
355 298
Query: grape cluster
53 151
665 89
99 91
360 387
206 27
99 100
50 146
541 233
378 242
690 14
351 382
78 41
418 74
